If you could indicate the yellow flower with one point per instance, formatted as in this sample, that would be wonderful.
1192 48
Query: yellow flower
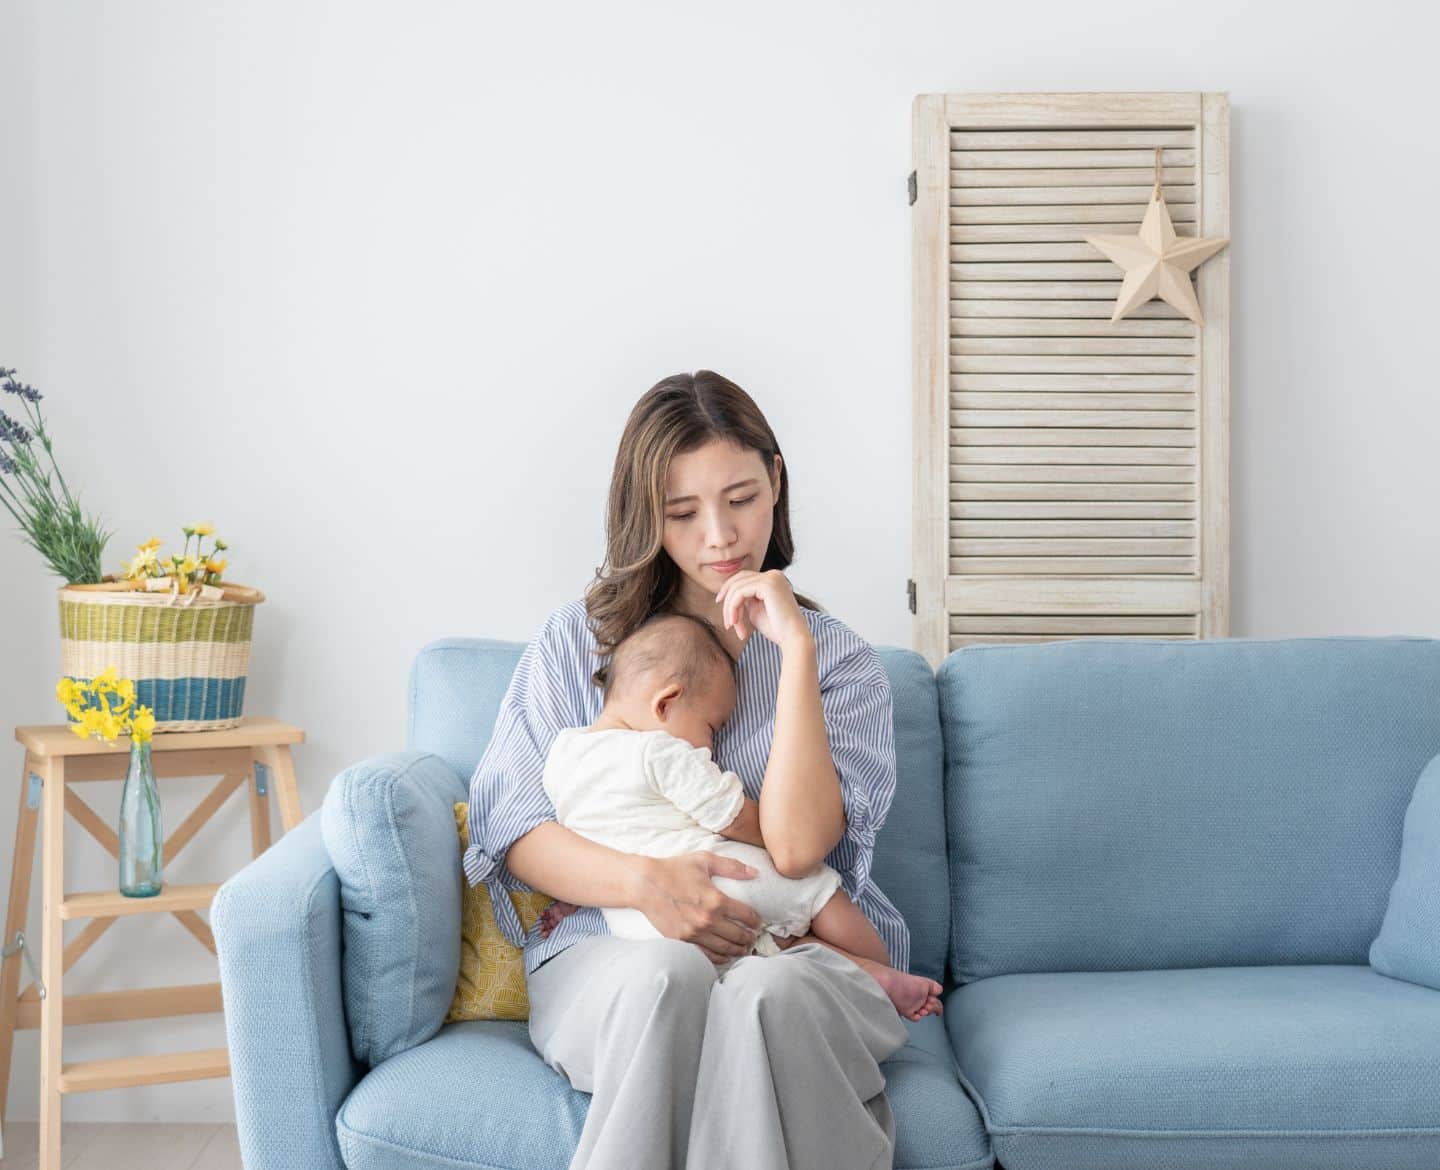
143 563
189 565
104 681
213 566
95 722
126 690
152 544
204 529
80 729
142 726
65 690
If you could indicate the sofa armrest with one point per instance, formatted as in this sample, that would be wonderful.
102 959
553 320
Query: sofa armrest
277 934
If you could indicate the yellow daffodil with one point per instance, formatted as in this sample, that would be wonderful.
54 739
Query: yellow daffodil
142 726
105 707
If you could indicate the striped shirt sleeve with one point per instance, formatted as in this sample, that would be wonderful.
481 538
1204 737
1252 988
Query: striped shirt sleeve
507 796
860 725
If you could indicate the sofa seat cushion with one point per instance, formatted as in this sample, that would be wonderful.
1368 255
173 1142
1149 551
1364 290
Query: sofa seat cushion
478 1095
1297 1067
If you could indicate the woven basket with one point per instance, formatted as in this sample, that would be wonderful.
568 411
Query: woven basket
188 655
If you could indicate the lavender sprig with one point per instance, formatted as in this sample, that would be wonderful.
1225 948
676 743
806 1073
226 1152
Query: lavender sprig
54 526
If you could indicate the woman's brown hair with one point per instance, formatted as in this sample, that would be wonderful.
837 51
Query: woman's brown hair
677 415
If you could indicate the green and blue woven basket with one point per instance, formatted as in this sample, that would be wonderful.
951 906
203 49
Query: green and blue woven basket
187 655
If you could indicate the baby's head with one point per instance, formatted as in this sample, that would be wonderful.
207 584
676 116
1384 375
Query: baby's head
672 674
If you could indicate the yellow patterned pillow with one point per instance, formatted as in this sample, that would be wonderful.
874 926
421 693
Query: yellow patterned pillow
492 971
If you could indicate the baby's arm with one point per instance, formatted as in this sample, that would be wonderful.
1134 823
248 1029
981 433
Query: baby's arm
689 779
746 825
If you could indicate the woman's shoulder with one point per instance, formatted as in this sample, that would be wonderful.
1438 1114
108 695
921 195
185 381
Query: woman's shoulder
570 622
565 639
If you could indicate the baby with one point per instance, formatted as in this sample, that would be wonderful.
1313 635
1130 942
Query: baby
640 779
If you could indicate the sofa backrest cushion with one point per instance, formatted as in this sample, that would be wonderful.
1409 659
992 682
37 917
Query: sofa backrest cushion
1128 805
910 864
456 686
389 826
1408 945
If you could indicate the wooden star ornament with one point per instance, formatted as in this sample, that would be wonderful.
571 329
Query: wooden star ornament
1157 262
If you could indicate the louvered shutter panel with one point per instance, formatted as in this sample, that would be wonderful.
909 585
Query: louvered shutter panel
1071 475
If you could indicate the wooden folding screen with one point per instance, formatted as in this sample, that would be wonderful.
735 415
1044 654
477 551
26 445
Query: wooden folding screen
1071 475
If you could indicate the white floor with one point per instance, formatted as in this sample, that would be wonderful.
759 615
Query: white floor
97 1146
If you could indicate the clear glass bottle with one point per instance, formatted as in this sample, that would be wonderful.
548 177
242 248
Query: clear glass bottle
141 838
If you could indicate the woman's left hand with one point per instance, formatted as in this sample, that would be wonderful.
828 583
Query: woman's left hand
765 602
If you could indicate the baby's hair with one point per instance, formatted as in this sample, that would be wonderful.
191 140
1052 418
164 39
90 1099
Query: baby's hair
688 646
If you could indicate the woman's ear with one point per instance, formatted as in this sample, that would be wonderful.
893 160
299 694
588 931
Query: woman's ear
775 476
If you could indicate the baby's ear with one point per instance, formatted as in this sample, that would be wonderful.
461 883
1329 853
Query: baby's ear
664 701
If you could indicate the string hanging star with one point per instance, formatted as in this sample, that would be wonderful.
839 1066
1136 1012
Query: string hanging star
1157 262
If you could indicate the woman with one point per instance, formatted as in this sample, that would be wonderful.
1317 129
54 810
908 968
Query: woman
777 1063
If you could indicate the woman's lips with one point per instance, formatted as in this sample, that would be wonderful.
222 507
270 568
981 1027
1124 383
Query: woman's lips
725 568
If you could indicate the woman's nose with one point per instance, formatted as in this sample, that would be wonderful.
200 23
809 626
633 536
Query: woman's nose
720 532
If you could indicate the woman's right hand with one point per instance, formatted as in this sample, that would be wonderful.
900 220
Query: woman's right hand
678 897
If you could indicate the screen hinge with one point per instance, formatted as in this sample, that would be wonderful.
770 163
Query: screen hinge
914 193
910 594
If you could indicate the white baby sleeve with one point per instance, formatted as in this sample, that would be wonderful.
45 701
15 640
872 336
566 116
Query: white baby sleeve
687 777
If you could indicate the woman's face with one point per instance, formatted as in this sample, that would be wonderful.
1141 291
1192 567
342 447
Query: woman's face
719 510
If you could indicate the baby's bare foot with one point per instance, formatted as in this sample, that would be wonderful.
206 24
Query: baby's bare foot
914 996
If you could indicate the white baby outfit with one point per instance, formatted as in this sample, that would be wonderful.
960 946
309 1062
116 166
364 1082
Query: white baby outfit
652 793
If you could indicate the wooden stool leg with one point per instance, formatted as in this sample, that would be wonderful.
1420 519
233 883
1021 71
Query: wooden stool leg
259 807
287 790
52 960
21 870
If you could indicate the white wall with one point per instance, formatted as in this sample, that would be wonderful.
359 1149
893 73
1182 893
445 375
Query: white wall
373 286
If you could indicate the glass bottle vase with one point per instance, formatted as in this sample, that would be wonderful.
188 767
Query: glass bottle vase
141 837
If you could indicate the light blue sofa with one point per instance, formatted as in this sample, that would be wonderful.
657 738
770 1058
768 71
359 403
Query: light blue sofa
1148 872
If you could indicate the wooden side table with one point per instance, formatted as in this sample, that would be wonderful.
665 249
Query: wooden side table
253 755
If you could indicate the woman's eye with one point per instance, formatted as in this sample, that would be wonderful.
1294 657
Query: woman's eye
737 503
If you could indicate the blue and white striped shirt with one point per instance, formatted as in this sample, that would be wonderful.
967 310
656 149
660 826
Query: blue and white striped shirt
552 689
